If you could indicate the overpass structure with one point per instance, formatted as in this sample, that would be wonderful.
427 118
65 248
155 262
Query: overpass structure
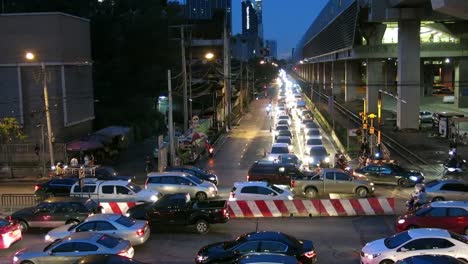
403 47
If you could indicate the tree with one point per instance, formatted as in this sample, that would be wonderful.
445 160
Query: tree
10 132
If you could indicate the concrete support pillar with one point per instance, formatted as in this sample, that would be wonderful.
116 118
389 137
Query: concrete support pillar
327 77
461 83
320 76
375 82
390 76
409 81
338 76
352 79
427 79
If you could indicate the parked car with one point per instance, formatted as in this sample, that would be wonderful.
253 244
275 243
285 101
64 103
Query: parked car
176 182
331 181
388 173
271 258
425 117
178 209
197 172
55 212
278 149
317 157
113 191
258 242
73 248
55 187
447 189
450 215
280 128
254 190
107 259
10 233
431 259
282 122
135 231
420 241
272 172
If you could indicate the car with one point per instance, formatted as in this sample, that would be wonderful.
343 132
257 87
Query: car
290 159
197 172
309 126
176 182
135 231
447 189
73 247
312 142
312 133
280 128
255 190
317 157
278 149
413 242
258 242
10 233
55 187
389 173
305 113
286 133
54 212
285 139
107 259
113 191
107 173
425 117
272 172
284 117
450 215
431 259
282 122
271 258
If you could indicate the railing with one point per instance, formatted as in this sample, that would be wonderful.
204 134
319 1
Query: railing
11 202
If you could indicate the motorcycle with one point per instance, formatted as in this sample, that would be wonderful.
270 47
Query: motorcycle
454 164
411 205
209 149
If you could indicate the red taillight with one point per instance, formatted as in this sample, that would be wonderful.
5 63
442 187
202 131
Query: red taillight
140 232
292 183
310 254
37 187
224 212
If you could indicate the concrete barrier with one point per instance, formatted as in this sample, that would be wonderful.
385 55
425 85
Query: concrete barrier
116 207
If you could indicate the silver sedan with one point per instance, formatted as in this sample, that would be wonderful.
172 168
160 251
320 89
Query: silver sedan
136 231
447 190
74 247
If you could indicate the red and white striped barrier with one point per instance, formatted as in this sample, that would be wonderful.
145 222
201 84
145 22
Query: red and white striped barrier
116 207
311 208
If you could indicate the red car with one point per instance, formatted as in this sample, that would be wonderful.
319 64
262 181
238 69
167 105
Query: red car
9 233
450 215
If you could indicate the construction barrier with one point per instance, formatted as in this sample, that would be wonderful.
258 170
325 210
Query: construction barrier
312 208
116 207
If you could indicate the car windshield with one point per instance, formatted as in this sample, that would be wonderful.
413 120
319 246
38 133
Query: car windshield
279 150
53 244
314 141
135 188
283 140
126 221
289 159
275 188
397 240
458 237
108 241
313 132
195 179
283 117
285 133
318 152
282 128
72 227
311 125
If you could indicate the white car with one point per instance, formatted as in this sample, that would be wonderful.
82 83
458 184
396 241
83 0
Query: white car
283 117
135 231
278 149
258 190
313 133
283 122
425 117
415 242
312 142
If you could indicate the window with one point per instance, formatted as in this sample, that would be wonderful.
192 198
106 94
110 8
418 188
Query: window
122 190
273 246
108 241
126 221
168 180
417 244
86 189
397 240
371 169
182 181
330 176
341 177
86 227
249 189
248 247
437 212
84 247
265 191
104 225
275 188
194 179
65 247
385 170
154 179
45 207
108 189
457 212
456 187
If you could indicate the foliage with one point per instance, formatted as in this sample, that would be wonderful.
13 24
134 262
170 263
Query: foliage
10 130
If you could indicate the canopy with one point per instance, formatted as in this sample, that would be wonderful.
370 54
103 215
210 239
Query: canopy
81 145
113 131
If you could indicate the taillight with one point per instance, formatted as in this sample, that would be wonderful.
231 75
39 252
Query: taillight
310 254
37 187
140 232
224 212
292 183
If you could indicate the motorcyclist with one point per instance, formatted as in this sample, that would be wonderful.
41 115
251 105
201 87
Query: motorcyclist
419 198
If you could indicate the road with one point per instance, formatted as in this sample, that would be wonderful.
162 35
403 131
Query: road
340 244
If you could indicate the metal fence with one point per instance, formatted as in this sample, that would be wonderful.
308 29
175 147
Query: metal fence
12 202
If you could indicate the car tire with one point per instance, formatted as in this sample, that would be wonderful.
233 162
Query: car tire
386 261
202 226
201 196
362 192
72 221
23 225
403 183
438 199
311 192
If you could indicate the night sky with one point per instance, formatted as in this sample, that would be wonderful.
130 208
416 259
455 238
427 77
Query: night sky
283 20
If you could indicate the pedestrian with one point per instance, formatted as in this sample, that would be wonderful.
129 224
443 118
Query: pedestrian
74 162
86 160
148 164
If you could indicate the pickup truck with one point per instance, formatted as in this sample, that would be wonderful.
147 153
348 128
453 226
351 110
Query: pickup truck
331 181
178 209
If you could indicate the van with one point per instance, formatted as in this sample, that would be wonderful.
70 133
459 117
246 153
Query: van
113 191
273 172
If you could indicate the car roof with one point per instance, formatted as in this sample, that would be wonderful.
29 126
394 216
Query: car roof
285 145
317 148
456 204
267 258
108 217
167 173
265 235
89 236
65 199
428 232
283 137
251 183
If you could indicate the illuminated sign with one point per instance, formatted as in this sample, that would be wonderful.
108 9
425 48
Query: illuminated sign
247 17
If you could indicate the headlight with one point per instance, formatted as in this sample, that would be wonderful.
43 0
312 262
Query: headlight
327 159
15 259
290 197
270 158
47 238
311 160
212 178
290 147
127 214
371 256
371 184
276 133
401 221
413 178
211 189
202 258
153 198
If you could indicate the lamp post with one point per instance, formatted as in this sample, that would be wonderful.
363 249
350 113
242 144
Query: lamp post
31 57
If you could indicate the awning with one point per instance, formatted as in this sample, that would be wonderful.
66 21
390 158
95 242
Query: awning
81 145
113 131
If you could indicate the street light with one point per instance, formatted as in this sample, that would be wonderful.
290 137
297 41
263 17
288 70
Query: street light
209 56
30 56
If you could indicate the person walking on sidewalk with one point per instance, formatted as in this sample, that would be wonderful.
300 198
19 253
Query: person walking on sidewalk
148 164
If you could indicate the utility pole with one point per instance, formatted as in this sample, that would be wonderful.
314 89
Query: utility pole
247 81
171 122
227 75
241 99
190 77
184 73
47 113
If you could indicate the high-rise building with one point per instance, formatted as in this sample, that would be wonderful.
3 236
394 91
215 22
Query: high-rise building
272 46
258 9
249 19
205 9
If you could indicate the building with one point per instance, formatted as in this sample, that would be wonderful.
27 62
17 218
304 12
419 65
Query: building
249 44
258 9
205 9
62 44
272 47
406 47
